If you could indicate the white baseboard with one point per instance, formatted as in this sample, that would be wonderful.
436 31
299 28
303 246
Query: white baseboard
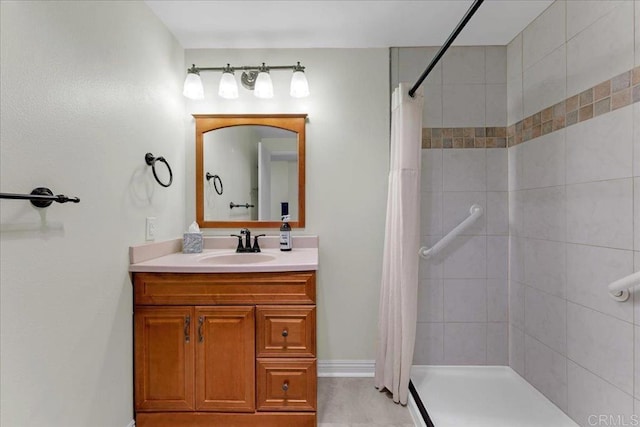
132 424
346 368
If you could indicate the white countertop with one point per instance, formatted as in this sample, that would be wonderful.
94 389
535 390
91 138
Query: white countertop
167 260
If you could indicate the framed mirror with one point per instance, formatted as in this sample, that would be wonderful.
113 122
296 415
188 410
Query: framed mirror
250 170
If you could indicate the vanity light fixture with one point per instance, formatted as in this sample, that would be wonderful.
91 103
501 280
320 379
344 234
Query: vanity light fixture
228 88
263 87
193 84
299 85
255 78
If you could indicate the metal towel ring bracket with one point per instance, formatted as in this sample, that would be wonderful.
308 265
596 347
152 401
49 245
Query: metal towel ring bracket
151 161
216 180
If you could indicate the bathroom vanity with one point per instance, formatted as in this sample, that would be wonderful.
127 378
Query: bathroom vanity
221 339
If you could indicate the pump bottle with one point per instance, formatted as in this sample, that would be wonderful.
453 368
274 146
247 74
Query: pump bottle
285 234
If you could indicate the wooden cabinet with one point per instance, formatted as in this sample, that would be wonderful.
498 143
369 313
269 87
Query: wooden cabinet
225 349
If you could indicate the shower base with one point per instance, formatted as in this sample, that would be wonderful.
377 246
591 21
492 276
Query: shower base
481 396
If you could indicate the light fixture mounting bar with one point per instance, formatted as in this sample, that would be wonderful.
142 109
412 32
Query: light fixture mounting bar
253 67
254 77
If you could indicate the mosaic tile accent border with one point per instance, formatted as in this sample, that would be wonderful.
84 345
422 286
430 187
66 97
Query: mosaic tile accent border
489 137
618 92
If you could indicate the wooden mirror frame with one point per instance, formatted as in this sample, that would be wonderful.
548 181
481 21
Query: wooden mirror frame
208 122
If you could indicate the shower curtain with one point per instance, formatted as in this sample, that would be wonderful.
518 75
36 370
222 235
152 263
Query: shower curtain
397 313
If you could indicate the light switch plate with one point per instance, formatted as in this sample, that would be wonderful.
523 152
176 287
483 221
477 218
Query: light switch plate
150 229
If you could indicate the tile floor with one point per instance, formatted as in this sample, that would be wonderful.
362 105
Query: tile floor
355 402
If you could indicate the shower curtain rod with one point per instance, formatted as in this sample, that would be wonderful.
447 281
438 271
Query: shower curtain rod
463 22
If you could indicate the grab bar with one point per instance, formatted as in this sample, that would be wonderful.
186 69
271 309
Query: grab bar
475 211
619 290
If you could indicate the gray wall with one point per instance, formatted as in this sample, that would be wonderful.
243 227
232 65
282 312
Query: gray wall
87 89
574 207
462 300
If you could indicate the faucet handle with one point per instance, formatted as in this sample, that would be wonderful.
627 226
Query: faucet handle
240 246
256 246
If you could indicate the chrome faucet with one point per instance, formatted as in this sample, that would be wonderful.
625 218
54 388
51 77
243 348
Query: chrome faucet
246 247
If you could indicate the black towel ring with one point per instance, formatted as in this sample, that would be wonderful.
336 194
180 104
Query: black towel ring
151 161
216 180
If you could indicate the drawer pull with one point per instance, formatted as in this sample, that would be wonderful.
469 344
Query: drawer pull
285 386
200 323
285 333
187 323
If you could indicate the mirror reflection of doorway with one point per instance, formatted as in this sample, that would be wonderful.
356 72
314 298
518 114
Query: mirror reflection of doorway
277 182
264 182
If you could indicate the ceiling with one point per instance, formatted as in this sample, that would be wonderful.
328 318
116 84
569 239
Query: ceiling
341 24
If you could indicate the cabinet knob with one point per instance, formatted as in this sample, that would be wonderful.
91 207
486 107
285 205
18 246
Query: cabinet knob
285 386
285 333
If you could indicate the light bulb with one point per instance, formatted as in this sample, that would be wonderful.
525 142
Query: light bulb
193 84
299 85
263 87
228 88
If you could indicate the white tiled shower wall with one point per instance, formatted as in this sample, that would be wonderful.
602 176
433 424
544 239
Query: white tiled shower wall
572 194
573 207
462 316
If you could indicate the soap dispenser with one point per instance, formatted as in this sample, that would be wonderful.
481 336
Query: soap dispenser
285 228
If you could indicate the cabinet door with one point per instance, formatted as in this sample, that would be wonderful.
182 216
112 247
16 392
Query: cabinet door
163 358
225 359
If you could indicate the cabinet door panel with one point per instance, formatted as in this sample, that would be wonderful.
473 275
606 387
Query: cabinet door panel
225 359
164 359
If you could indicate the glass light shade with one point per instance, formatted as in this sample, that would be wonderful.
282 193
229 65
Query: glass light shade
228 88
193 87
263 87
299 85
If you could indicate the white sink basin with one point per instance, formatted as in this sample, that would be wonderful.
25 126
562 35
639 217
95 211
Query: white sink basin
235 259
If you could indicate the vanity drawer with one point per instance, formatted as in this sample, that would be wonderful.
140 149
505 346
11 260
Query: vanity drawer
286 331
224 288
286 384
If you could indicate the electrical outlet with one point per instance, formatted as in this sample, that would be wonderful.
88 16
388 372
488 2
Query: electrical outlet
150 229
